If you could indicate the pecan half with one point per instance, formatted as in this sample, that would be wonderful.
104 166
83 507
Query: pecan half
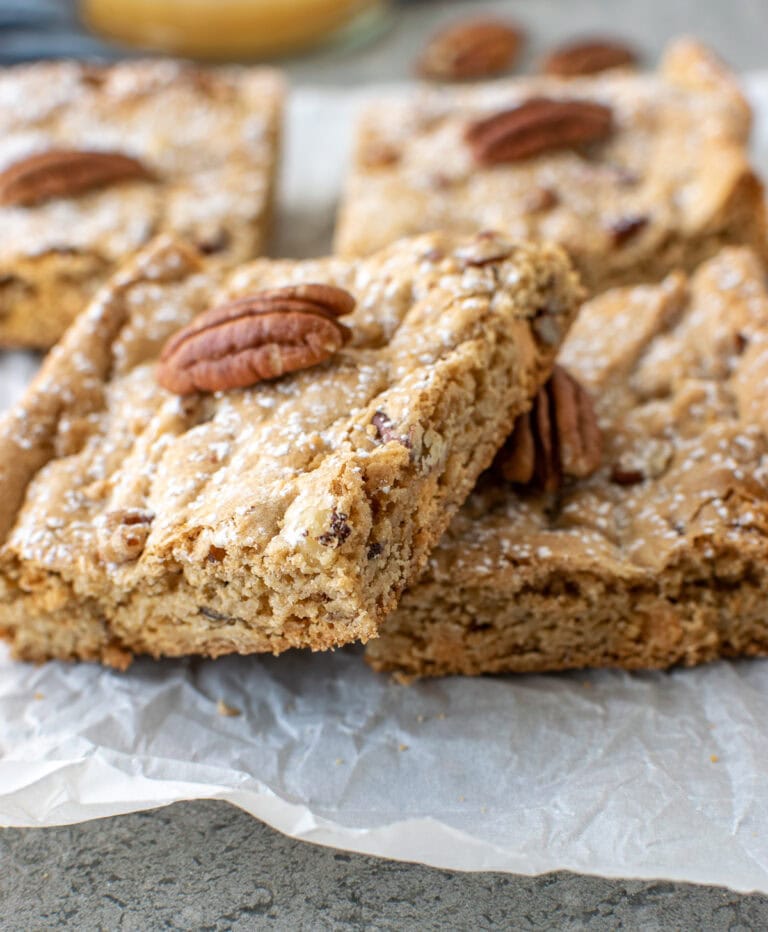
258 337
485 248
558 438
588 56
540 200
622 476
538 125
65 173
473 48
379 154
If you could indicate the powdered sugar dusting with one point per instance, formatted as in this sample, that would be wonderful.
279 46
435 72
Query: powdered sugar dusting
677 372
676 156
207 136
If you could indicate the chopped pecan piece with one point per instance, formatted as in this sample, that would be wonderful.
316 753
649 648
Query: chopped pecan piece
540 200
212 615
536 126
214 242
338 532
558 438
588 56
622 476
626 228
258 337
485 248
379 155
385 430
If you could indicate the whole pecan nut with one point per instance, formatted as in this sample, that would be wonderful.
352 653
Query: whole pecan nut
65 173
588 56
474 48
261 336
558 438
539 125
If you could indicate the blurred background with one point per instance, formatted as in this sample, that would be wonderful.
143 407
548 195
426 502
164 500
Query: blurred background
355 41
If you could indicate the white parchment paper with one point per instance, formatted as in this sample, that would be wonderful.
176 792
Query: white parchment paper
648 775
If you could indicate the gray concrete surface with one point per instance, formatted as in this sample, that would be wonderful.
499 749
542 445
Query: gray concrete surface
209 866
204 865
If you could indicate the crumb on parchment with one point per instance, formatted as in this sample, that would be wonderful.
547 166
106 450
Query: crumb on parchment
229 711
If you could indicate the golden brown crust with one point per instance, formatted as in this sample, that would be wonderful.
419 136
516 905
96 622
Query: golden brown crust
668 189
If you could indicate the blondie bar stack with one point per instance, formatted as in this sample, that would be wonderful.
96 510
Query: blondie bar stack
214 462
660 557
233 456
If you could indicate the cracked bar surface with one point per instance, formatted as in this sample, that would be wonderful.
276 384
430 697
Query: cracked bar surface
669 188
661 558
289 514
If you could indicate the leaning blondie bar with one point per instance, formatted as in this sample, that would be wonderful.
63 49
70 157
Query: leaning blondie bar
661 557
95 161
635 174
290 513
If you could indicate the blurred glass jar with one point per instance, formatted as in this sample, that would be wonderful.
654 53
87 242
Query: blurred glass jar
233 29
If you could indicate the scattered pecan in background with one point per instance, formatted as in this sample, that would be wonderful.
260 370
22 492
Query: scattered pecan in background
558 438
261 336
588 56
473 48
65 173
536 126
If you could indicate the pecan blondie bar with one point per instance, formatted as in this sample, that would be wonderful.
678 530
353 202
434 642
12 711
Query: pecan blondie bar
95 161
635 174
206 518
661 557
